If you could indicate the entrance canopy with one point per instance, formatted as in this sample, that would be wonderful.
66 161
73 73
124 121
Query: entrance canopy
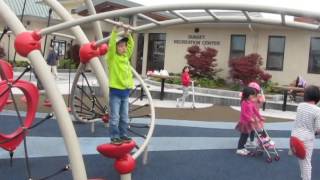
209 13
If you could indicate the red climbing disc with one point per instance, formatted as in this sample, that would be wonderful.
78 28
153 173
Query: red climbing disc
13 140
116 151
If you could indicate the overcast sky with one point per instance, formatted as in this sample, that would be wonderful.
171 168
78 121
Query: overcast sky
312 5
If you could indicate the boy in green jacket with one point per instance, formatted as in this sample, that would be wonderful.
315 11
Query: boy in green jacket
120 82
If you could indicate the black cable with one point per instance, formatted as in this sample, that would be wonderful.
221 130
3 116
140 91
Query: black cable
66 168
20 76
4 32
69 76
136 133
9 40
139 126
131 103
49 116
139 107
24 132
46 37
86 79
140 116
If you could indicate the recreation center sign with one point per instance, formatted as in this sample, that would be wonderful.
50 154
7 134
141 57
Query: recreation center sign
196 39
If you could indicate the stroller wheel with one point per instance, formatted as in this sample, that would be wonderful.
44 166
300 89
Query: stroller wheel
259 153
269 160
277 158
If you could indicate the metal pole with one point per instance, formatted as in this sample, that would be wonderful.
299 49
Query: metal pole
193 99
9 39
46 38
69 77
58 104
97 29
125 176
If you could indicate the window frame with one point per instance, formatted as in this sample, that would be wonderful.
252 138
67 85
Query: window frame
237 51
269 53
310 50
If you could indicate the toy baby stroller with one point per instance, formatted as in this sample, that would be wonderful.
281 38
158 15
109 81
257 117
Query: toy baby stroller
265 144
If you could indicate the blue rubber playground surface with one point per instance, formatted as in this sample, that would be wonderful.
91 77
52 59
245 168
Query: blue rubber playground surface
179 150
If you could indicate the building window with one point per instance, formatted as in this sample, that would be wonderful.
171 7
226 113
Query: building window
238 46
314 56
275 53
59 46
156 51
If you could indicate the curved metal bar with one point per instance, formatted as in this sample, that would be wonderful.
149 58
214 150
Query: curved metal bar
58 104
191 6
208 19
64 35
96 24
152 113
96 28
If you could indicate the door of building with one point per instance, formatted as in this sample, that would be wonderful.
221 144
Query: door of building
140 53
156 51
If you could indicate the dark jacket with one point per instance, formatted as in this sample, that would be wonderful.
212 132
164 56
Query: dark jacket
52 58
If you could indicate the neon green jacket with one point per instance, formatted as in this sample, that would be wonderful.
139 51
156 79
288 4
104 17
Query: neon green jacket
120 75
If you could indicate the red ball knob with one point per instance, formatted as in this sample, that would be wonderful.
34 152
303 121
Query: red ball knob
125 164
103 49
26 42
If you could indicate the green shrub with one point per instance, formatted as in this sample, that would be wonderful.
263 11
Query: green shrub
174 80
66 64
209 83
20 63
270 87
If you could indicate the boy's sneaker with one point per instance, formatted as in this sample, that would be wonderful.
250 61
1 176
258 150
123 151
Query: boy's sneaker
126 139
116 141
242 152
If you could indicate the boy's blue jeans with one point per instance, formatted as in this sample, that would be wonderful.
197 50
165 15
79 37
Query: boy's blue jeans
119 115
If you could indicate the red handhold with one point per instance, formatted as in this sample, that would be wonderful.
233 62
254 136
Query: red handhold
125 164
105 118
47 103
13 140
116 151
89 50
9 101
23 99
26 42
103 49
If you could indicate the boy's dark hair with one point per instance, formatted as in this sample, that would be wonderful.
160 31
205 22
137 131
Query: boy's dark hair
122 40
311 93
246 92
184 68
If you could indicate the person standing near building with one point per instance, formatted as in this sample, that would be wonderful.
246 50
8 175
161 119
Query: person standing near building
306 125
120 82
52 61
185 81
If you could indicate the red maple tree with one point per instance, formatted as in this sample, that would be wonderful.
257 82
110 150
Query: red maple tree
248 69
202 62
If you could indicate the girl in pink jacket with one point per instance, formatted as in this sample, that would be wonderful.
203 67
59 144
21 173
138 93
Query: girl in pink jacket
249 118
185 81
